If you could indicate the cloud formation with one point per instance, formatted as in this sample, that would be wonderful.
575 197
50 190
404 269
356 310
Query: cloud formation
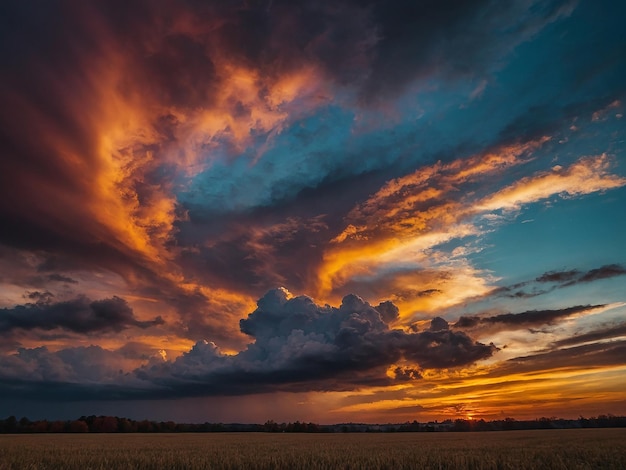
178 159
176 89
604 272
399 237
595 355
588 175
80 315
600 334
524 319
559 280
297 346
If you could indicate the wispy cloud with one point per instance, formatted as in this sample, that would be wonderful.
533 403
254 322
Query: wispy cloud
524 319
558 280
588 175
600 334
400 232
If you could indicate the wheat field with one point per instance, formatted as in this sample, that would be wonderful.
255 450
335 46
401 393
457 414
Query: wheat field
550 449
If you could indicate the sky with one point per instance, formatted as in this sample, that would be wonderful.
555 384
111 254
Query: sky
347 211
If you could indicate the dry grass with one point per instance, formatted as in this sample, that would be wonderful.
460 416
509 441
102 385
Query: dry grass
550 449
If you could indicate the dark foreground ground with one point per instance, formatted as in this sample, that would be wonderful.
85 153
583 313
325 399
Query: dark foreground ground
550 449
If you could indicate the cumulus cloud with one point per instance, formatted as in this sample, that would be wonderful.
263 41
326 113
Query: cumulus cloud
298 345
80 315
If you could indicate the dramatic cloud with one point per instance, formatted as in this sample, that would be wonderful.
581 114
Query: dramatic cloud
77 373
80 315
447 160
524 319
399 231
82 365
302 346
168 86
298 345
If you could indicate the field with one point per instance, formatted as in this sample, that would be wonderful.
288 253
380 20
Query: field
551 449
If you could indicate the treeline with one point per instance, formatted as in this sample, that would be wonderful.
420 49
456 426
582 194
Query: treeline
113 424
509 424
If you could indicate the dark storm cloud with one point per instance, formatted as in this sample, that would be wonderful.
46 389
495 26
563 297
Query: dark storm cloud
68 374
297 346
80 315
524 319
82 364
406 374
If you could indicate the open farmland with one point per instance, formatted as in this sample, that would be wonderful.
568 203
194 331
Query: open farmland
550 449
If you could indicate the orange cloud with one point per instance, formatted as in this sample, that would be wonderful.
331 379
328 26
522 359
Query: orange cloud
587 175
481 394
412 203
394 233
390 246
135 119
140 210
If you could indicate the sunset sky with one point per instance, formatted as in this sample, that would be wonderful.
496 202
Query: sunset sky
357 210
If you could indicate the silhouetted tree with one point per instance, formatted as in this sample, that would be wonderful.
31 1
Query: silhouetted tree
78 426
